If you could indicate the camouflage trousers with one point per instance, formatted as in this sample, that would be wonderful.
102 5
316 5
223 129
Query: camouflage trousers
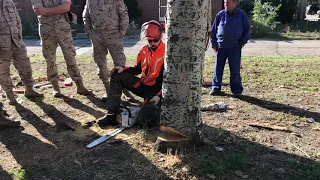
101 45
49 44
21 61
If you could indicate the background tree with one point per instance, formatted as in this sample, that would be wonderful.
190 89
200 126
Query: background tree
188 22
133 10
287 10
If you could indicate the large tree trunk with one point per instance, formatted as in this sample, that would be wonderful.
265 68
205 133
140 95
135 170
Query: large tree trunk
188 22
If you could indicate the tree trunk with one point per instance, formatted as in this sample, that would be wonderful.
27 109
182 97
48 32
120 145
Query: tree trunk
188 24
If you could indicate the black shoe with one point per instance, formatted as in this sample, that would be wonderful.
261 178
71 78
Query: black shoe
104 98
109 119
237 95
216 93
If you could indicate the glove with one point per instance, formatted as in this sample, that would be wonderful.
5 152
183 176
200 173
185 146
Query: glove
117 69
154 100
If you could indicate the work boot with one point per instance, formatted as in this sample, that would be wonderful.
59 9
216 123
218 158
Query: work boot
217 93
56 89
109 119
30 93
11 98
104 98
81 89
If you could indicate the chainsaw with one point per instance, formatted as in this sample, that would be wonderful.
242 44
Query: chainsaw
128 118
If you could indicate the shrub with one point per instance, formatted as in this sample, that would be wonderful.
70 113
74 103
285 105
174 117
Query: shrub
265 13
258 29
287 10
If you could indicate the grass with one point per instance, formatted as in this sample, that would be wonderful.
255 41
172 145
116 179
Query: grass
271 72
279 81
301 30
304 170
18 174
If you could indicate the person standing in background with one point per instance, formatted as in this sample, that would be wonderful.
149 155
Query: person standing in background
12 48
106 24
54 29
230 32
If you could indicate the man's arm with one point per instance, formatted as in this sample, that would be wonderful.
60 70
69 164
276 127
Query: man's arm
135 69
157 97
246 30
86 17
63 8
36 4
124 17
19 26
214 43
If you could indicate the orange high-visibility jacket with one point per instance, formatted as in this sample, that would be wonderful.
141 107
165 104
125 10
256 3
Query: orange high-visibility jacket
150 65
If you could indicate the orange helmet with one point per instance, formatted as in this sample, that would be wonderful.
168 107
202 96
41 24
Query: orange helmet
151 30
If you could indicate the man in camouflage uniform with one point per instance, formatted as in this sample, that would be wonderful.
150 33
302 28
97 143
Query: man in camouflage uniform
54 29
106 23
12 48
5 122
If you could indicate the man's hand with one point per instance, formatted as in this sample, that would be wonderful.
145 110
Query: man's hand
40 11
155 100
117 69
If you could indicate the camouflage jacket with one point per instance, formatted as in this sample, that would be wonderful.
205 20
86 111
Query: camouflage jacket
56 21
106 15
10 26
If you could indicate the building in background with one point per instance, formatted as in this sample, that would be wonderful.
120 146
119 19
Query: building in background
151 9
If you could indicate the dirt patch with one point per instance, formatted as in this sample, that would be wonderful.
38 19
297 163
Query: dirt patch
51 144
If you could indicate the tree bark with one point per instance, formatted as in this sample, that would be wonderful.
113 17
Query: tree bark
188 23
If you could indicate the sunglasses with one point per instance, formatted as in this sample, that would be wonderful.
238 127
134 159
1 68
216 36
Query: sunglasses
155 40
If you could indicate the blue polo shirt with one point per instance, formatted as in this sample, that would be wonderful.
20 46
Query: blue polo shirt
230 30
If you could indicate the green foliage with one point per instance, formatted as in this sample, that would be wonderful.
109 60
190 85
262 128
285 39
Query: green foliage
133 10
19 173
287 10
265 13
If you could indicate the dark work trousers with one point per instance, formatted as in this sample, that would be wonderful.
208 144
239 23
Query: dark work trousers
126 80
234 59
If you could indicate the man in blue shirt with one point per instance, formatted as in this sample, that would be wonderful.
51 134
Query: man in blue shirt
230 32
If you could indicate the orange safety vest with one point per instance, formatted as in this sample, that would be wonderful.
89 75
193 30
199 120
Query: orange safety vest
151 64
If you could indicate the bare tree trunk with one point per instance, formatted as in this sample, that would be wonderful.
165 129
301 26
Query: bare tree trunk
187 25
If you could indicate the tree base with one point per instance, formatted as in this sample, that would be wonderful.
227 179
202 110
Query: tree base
172 143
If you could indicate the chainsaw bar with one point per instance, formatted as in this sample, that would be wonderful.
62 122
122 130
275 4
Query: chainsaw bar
105 137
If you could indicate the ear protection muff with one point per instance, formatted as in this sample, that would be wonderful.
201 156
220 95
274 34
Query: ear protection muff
161 26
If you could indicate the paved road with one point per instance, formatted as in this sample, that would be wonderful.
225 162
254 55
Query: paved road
256 47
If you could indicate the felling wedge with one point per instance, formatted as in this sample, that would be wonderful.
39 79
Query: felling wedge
169 134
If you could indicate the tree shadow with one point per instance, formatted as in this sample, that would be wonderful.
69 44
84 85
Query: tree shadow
79 105
278 107
97 101
255 160
4 175
57 153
